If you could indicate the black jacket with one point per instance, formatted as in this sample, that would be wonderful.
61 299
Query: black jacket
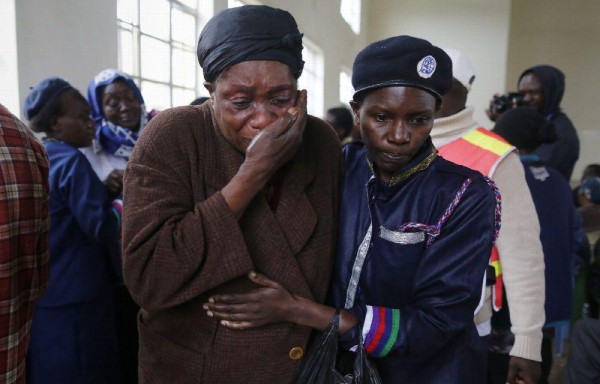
564 152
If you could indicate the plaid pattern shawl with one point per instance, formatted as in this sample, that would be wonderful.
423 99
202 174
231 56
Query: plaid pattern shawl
24 225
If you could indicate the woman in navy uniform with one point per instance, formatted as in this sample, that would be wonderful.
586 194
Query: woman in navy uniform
73 334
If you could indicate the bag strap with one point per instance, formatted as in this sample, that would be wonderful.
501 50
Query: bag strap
335 320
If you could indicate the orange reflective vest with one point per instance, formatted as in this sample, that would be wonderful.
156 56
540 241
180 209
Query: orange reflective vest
482 151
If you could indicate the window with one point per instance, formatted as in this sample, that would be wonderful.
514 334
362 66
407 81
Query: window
350 11
346 88
312 78
157 47
239 3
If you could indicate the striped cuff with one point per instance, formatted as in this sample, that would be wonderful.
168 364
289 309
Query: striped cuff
380 330
117 210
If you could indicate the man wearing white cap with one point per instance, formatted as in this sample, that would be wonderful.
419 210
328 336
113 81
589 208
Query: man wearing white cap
517 258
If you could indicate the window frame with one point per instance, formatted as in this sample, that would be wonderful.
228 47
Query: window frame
315 83
201 15
351 11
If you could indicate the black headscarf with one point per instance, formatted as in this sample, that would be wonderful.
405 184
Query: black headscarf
250 32
553 86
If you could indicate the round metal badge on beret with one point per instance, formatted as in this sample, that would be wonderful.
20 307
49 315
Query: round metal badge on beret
426 66
402 61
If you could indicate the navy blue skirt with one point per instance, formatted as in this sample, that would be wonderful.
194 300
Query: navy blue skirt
75 343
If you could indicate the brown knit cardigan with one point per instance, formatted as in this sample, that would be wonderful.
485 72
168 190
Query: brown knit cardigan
181 243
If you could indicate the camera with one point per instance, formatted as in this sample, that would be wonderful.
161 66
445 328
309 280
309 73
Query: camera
509 100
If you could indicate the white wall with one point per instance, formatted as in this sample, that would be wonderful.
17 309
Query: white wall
74 39
9 69
479 28
565 34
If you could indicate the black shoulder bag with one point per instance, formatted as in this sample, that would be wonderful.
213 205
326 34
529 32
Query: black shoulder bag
319 366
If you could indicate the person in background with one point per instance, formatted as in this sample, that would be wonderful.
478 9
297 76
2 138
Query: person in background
341 120
119 114
586 249
245 182
73 335
415 312
589 170
543 87
560 223
518 259
24 226
589 209
583 363
588 197
589 204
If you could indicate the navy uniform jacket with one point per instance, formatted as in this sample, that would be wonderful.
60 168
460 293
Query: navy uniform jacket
560 224
75 315
84 247
423 270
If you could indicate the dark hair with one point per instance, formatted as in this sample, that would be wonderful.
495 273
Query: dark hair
342 117
42 122
525 128
594 168
341 120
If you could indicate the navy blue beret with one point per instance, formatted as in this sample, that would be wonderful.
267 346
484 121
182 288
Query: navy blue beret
42 94
402 61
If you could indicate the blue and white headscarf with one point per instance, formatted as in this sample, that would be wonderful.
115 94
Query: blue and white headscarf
114 139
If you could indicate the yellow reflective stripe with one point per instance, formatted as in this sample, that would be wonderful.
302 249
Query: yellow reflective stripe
497 267
487 142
